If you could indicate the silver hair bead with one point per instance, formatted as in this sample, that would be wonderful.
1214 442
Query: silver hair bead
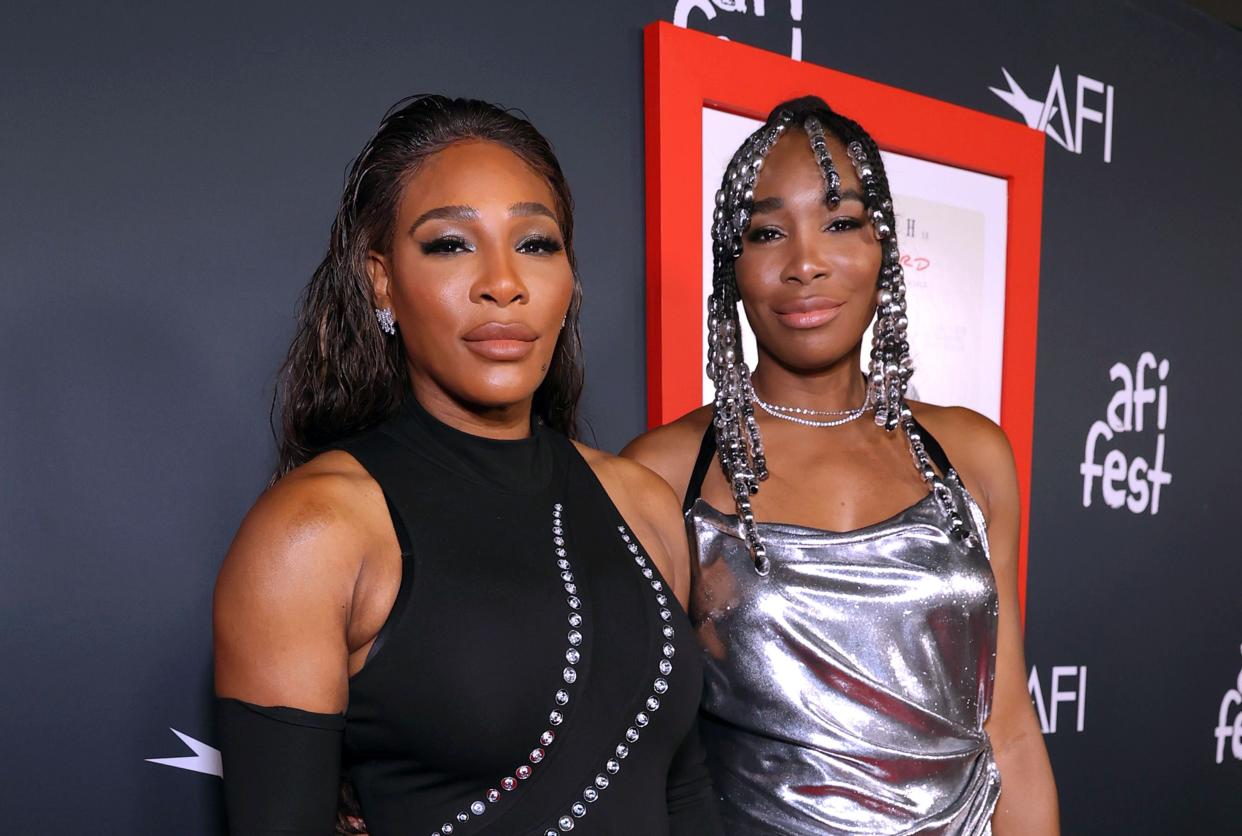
762 564
815 132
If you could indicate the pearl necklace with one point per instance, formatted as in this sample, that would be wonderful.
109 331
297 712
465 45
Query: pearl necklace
791 413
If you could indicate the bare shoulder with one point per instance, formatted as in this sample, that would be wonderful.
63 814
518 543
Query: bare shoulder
298 523
652 509
978 448
284 592
961 427
670 450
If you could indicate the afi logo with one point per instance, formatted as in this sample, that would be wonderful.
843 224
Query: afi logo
681 16
1073 690
1065 131
205 759
1135 483
1227 731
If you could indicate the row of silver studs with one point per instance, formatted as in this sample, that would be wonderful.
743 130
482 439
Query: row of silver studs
561 698
659 687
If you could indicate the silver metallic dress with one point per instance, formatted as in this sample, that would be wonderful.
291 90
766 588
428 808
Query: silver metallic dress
846 691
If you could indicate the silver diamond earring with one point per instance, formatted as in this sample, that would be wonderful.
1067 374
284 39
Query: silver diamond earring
386 323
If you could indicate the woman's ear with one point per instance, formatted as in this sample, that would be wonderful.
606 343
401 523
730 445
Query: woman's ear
378 273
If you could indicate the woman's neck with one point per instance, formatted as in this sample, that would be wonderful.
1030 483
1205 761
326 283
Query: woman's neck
504 422
838 386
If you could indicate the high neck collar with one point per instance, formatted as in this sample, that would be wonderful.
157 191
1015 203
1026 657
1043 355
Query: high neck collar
520 465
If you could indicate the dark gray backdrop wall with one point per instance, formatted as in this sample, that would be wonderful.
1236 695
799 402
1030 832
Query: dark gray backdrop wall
168 175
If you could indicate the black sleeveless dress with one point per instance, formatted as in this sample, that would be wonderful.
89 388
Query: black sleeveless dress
536 674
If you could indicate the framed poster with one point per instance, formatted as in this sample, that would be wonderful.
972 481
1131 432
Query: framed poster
967 192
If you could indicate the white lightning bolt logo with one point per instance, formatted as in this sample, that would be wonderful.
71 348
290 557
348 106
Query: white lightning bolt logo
205 759
1032 110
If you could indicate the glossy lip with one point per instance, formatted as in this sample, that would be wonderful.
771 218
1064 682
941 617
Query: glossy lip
501 340
807 312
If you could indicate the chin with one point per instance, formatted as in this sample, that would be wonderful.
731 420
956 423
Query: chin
811 353
502 386
810 364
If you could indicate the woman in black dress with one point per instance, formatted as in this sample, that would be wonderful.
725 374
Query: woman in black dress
443 599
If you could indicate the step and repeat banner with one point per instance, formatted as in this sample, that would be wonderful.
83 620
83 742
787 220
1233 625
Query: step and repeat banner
1066 183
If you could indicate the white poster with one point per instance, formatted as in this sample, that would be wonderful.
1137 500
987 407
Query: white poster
951 225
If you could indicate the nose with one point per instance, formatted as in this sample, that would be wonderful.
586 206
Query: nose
500 283
807 262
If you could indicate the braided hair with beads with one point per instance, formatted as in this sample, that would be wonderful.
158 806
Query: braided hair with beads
738 441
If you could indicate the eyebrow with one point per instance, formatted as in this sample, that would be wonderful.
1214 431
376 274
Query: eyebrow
449 213
469 213
530 208
773 204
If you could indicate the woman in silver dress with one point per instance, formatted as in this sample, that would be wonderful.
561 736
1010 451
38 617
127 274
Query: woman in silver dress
864 659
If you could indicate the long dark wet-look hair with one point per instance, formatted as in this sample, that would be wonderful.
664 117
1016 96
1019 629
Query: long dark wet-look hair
738 442
342 374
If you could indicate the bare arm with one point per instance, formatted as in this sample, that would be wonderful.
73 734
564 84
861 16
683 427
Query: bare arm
282 600
1028 801
286 600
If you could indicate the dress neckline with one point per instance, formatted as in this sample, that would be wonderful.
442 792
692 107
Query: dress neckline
704 509
518 465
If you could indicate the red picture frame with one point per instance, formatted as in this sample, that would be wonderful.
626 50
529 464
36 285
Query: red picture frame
685 71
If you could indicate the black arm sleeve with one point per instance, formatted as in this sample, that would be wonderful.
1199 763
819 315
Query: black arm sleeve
282 769
692 808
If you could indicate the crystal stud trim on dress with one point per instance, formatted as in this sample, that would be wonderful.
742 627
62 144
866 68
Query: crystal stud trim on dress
561 698
659 686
